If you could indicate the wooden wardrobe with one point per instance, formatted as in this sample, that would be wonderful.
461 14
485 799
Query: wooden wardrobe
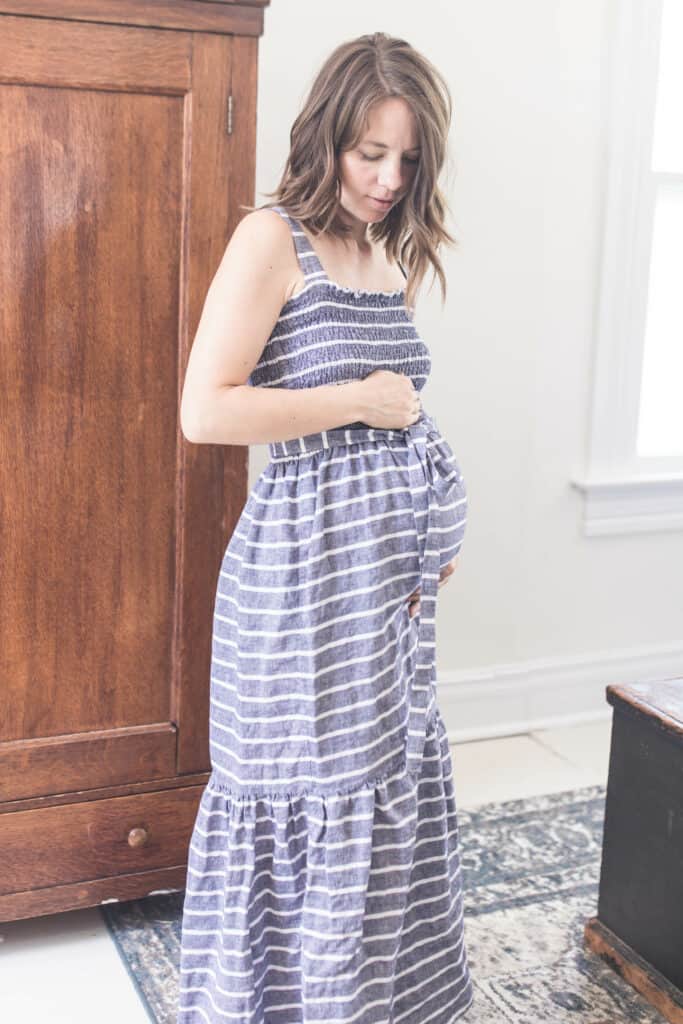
128 134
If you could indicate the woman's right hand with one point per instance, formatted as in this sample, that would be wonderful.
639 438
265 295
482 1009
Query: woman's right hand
391 400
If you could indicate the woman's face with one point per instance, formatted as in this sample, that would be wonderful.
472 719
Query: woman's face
383 164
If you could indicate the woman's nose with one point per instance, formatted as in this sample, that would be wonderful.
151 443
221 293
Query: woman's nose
390 178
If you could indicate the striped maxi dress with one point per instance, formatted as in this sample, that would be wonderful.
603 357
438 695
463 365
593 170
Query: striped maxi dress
324 881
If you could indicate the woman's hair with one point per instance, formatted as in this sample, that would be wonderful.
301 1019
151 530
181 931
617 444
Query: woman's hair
356 75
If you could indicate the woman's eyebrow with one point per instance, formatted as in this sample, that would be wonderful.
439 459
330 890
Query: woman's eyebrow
383 145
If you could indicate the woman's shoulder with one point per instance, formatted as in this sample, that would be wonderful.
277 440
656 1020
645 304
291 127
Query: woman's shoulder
263 224
263 237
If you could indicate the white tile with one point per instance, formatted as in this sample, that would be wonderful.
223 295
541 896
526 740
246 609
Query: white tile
65 969
586 746
509 768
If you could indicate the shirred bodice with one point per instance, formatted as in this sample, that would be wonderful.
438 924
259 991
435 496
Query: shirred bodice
330 334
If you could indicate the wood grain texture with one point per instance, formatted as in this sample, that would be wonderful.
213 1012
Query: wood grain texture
55 899
31 768
120 189
661 701
655 988
120 59
91 839
241 17
212 476
89 383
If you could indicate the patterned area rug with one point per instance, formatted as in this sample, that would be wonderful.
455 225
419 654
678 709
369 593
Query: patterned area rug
531 870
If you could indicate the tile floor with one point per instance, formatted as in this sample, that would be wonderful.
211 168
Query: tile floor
54 969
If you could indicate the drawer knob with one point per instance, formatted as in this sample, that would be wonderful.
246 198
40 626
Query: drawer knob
138 837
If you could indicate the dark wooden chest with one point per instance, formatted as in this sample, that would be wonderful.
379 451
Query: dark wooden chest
639 924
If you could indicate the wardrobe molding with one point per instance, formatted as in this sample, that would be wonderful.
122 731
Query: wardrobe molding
242 17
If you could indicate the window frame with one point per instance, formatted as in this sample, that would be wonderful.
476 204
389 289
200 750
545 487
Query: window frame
624 492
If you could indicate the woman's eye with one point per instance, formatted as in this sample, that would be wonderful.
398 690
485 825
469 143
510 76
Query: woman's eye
409 160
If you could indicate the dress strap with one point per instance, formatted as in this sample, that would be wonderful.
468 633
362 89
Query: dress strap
311 266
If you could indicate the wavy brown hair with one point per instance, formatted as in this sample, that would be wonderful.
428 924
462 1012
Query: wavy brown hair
357 74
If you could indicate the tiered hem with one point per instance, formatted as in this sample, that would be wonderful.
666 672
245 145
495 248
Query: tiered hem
325 908
219 785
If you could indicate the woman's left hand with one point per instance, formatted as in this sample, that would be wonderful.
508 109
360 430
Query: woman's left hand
448 569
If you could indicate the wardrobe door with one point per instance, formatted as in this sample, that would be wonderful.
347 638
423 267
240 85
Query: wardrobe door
123 167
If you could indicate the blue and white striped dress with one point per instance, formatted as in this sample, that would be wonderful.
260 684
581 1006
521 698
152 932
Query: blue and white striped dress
324 882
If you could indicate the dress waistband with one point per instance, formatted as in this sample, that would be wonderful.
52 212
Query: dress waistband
281 450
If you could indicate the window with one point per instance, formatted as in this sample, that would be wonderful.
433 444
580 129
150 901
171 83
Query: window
635 472
660 425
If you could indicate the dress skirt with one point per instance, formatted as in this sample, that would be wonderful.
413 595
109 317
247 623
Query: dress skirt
324 881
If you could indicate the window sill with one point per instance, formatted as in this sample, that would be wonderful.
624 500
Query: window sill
631 504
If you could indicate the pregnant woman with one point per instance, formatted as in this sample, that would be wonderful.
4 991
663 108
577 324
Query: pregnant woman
324 881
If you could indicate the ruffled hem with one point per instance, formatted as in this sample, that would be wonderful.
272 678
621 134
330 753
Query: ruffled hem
224 789
354 901
219 785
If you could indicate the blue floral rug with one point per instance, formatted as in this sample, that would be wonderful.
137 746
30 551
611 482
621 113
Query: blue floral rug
531 870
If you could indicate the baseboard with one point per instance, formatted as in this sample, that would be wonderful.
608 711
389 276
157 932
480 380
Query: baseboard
544 694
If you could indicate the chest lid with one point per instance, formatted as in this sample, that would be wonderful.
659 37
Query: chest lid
660 703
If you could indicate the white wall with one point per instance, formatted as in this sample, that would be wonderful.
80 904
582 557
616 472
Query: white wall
537 618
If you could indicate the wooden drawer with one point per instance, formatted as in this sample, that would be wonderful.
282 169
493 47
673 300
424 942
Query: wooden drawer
96 839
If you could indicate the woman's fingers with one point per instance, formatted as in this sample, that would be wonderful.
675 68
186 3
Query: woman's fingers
448 570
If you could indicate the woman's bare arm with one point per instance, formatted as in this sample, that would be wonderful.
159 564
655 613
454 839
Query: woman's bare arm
241 308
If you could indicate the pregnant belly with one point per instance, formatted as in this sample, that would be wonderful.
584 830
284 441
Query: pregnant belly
452 499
